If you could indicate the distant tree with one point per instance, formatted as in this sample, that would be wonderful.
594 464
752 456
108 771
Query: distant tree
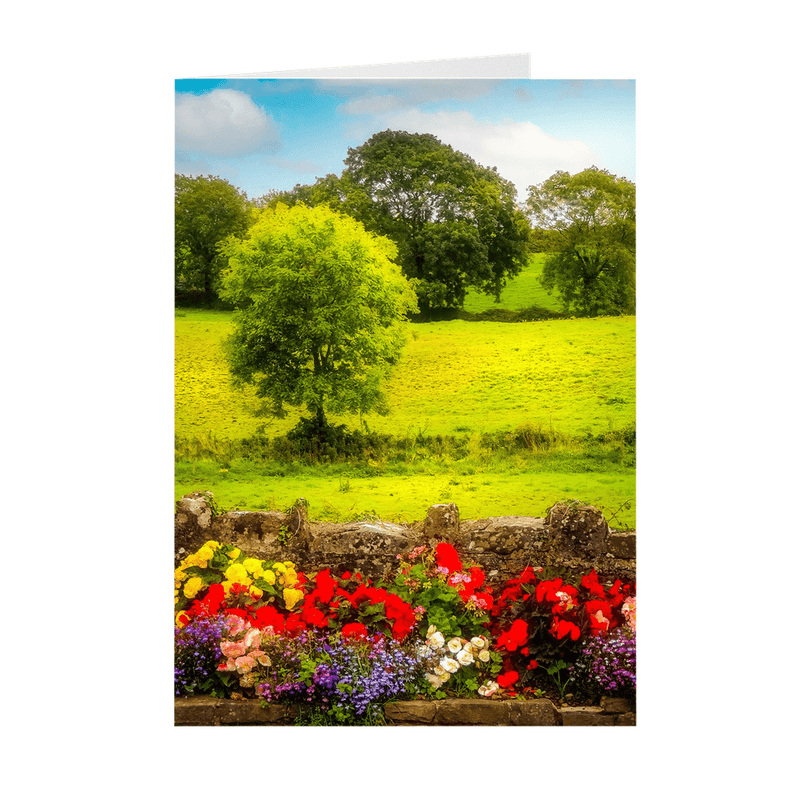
593 219
321 310
207 211
454 221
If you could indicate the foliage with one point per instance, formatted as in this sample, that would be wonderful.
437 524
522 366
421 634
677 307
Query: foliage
207 211
320 311
436 581
454 221
593 263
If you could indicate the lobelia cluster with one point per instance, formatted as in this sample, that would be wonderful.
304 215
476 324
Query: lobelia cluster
198 654
346 678
607 664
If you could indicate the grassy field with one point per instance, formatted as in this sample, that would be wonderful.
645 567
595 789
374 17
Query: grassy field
571 378
521 292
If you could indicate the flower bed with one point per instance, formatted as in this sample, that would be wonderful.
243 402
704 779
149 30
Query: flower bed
338 648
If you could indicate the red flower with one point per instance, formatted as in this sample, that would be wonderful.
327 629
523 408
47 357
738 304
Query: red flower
269 616
325 586
354 630
313 616
345 576
516 636
591 583
478 578
563 627
294 624
507 679
533 664
546 590
446 556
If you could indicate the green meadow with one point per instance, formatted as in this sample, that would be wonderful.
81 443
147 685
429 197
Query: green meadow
500 418
522 292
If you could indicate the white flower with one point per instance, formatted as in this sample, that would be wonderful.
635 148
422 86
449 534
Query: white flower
478 642
434 680
436 640
423 651
484 656
431 631
449 664
488 689
465 658
440 671
454 645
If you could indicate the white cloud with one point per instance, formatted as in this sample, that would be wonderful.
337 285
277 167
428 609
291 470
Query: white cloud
522 152
223 122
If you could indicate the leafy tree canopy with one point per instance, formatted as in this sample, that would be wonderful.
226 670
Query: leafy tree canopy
455 222
592 215
207 210
321 311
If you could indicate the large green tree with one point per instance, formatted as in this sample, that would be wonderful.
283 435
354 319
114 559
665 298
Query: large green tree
455 222
592 217
207 211
321 311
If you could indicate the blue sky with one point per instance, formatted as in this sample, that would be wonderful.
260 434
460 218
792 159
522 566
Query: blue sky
273 134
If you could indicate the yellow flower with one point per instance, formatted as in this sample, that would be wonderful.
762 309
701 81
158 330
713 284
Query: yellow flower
254 567
212 544
291 597
238 574
269 577
234 554
204 554
181 619
290 577
192 587
279 568
256 593
289 564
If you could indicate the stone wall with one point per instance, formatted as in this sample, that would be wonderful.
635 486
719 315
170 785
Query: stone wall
572 537
210 711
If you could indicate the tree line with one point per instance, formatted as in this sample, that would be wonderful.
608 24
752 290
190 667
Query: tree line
454 224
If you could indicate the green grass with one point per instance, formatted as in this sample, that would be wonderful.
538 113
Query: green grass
520 293
574 376
523 487
566 377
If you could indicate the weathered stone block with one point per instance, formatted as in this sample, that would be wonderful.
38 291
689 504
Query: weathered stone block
534 712
577 529
502 535
622 545
615 705
627 719
366 538
213 711
410 712
442 521
585 715
471 712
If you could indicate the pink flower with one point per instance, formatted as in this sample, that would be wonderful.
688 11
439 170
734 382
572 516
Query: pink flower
244 664
252 639
232 649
